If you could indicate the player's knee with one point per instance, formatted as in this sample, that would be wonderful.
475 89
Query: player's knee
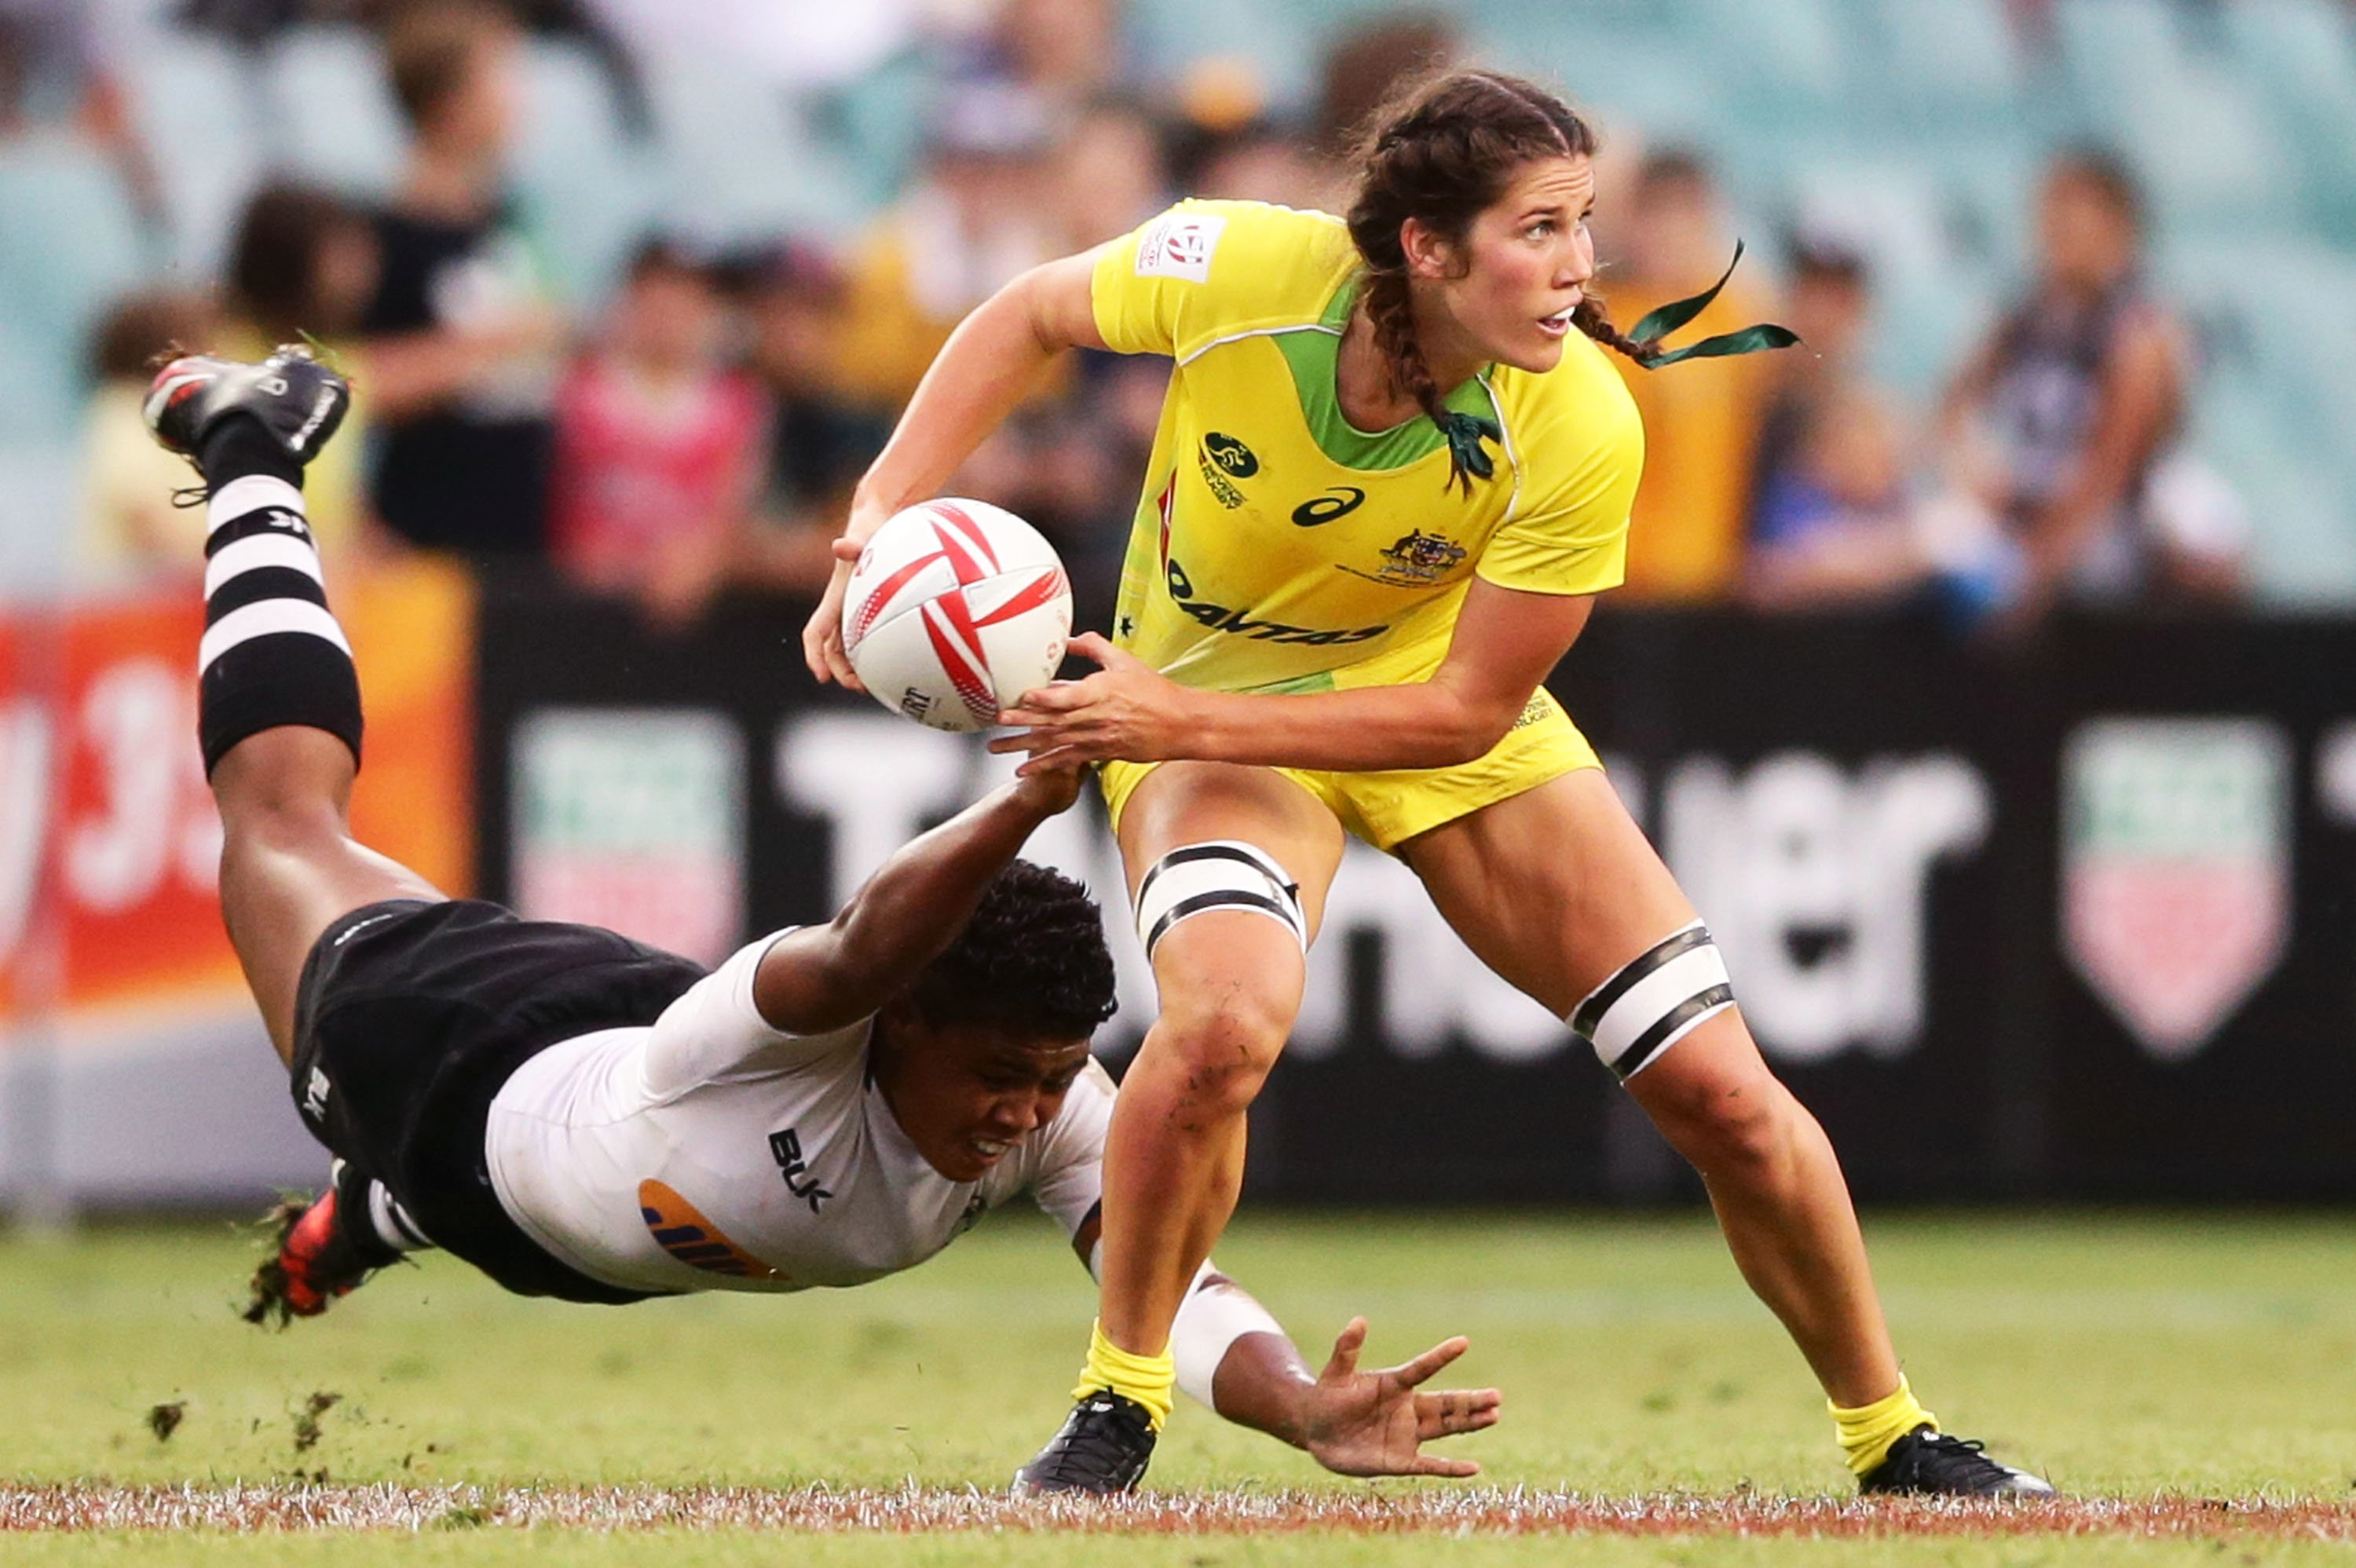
1222 1041
280 820
1740 1134
285 784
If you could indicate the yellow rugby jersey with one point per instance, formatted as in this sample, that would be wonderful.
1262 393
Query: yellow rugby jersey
1279 548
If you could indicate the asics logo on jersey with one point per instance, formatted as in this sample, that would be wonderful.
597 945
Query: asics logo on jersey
1239 622
786 1148
1338 502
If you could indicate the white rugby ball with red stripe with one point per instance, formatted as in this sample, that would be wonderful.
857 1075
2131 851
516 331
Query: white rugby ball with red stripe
955 609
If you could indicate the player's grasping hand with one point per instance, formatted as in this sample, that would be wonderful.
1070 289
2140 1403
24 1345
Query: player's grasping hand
823 648
1126 710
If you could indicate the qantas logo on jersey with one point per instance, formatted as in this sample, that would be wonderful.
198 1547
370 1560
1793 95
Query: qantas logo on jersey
1239 622
682 1232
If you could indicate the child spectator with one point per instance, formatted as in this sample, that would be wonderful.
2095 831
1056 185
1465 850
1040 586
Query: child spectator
1830 520
659 445
131 530
302 264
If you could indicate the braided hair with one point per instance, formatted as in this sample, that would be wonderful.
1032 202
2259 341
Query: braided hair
1441 154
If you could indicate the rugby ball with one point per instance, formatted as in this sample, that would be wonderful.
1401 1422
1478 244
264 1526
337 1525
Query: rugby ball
955 609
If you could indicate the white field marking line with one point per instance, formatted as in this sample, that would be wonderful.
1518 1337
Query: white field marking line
279 1508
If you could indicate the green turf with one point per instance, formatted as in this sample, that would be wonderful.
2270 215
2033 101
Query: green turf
2212 1355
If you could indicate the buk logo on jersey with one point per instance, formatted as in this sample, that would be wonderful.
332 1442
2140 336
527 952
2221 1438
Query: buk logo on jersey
1223 460
786 1148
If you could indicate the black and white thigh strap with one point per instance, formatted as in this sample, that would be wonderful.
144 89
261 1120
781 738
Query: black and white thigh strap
1223 873
1655 1000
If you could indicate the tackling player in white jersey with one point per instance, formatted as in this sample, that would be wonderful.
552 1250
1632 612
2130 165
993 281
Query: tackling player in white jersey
580 1117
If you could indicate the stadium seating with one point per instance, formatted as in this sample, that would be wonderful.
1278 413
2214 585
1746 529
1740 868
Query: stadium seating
1910 128
193 101
331 112
587 190
69 244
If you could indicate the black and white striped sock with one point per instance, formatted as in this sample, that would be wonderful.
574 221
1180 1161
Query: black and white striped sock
272 654
390 1222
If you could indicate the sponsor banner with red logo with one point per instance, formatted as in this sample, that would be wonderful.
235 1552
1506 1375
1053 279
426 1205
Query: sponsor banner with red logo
109 846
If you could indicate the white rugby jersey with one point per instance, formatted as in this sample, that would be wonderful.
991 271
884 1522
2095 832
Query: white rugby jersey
709 1151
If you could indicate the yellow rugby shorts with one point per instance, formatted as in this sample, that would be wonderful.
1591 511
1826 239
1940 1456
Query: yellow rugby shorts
1387 809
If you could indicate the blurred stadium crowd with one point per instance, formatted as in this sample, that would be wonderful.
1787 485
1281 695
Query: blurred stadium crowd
633 289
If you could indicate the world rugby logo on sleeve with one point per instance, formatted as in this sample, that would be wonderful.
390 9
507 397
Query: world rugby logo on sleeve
2176 870
1179 245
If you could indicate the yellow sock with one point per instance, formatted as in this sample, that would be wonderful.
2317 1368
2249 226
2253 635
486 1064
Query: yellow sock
1151 1380
1867 1432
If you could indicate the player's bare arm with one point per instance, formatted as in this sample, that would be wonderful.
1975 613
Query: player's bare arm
991 363
1506 643
829 976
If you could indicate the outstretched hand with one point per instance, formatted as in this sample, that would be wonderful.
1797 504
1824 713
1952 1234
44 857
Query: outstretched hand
823 648
1376 1422
1126 712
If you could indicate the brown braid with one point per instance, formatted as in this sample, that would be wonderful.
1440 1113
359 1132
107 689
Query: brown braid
1391 311
1592 319
1439 152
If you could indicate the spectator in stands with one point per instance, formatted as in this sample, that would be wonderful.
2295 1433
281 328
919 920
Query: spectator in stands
819 444
1701 425
302 264
660 444
981 213
1362 73
461 340
2063 425
1108 175
55 73
131 530
1066 52
1830 523
1225 141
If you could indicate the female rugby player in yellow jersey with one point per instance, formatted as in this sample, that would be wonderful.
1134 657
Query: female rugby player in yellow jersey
1392 471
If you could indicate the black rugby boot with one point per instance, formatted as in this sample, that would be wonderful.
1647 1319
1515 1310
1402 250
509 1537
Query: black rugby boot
1927 1462
1103 1450
297 401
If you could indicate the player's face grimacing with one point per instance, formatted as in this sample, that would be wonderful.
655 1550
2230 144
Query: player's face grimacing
966 1093
1506 292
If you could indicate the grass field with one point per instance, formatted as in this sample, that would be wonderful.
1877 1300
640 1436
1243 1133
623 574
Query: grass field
2207 1359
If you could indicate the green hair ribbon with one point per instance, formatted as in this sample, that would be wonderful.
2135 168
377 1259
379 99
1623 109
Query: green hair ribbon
1466 433
1660 323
